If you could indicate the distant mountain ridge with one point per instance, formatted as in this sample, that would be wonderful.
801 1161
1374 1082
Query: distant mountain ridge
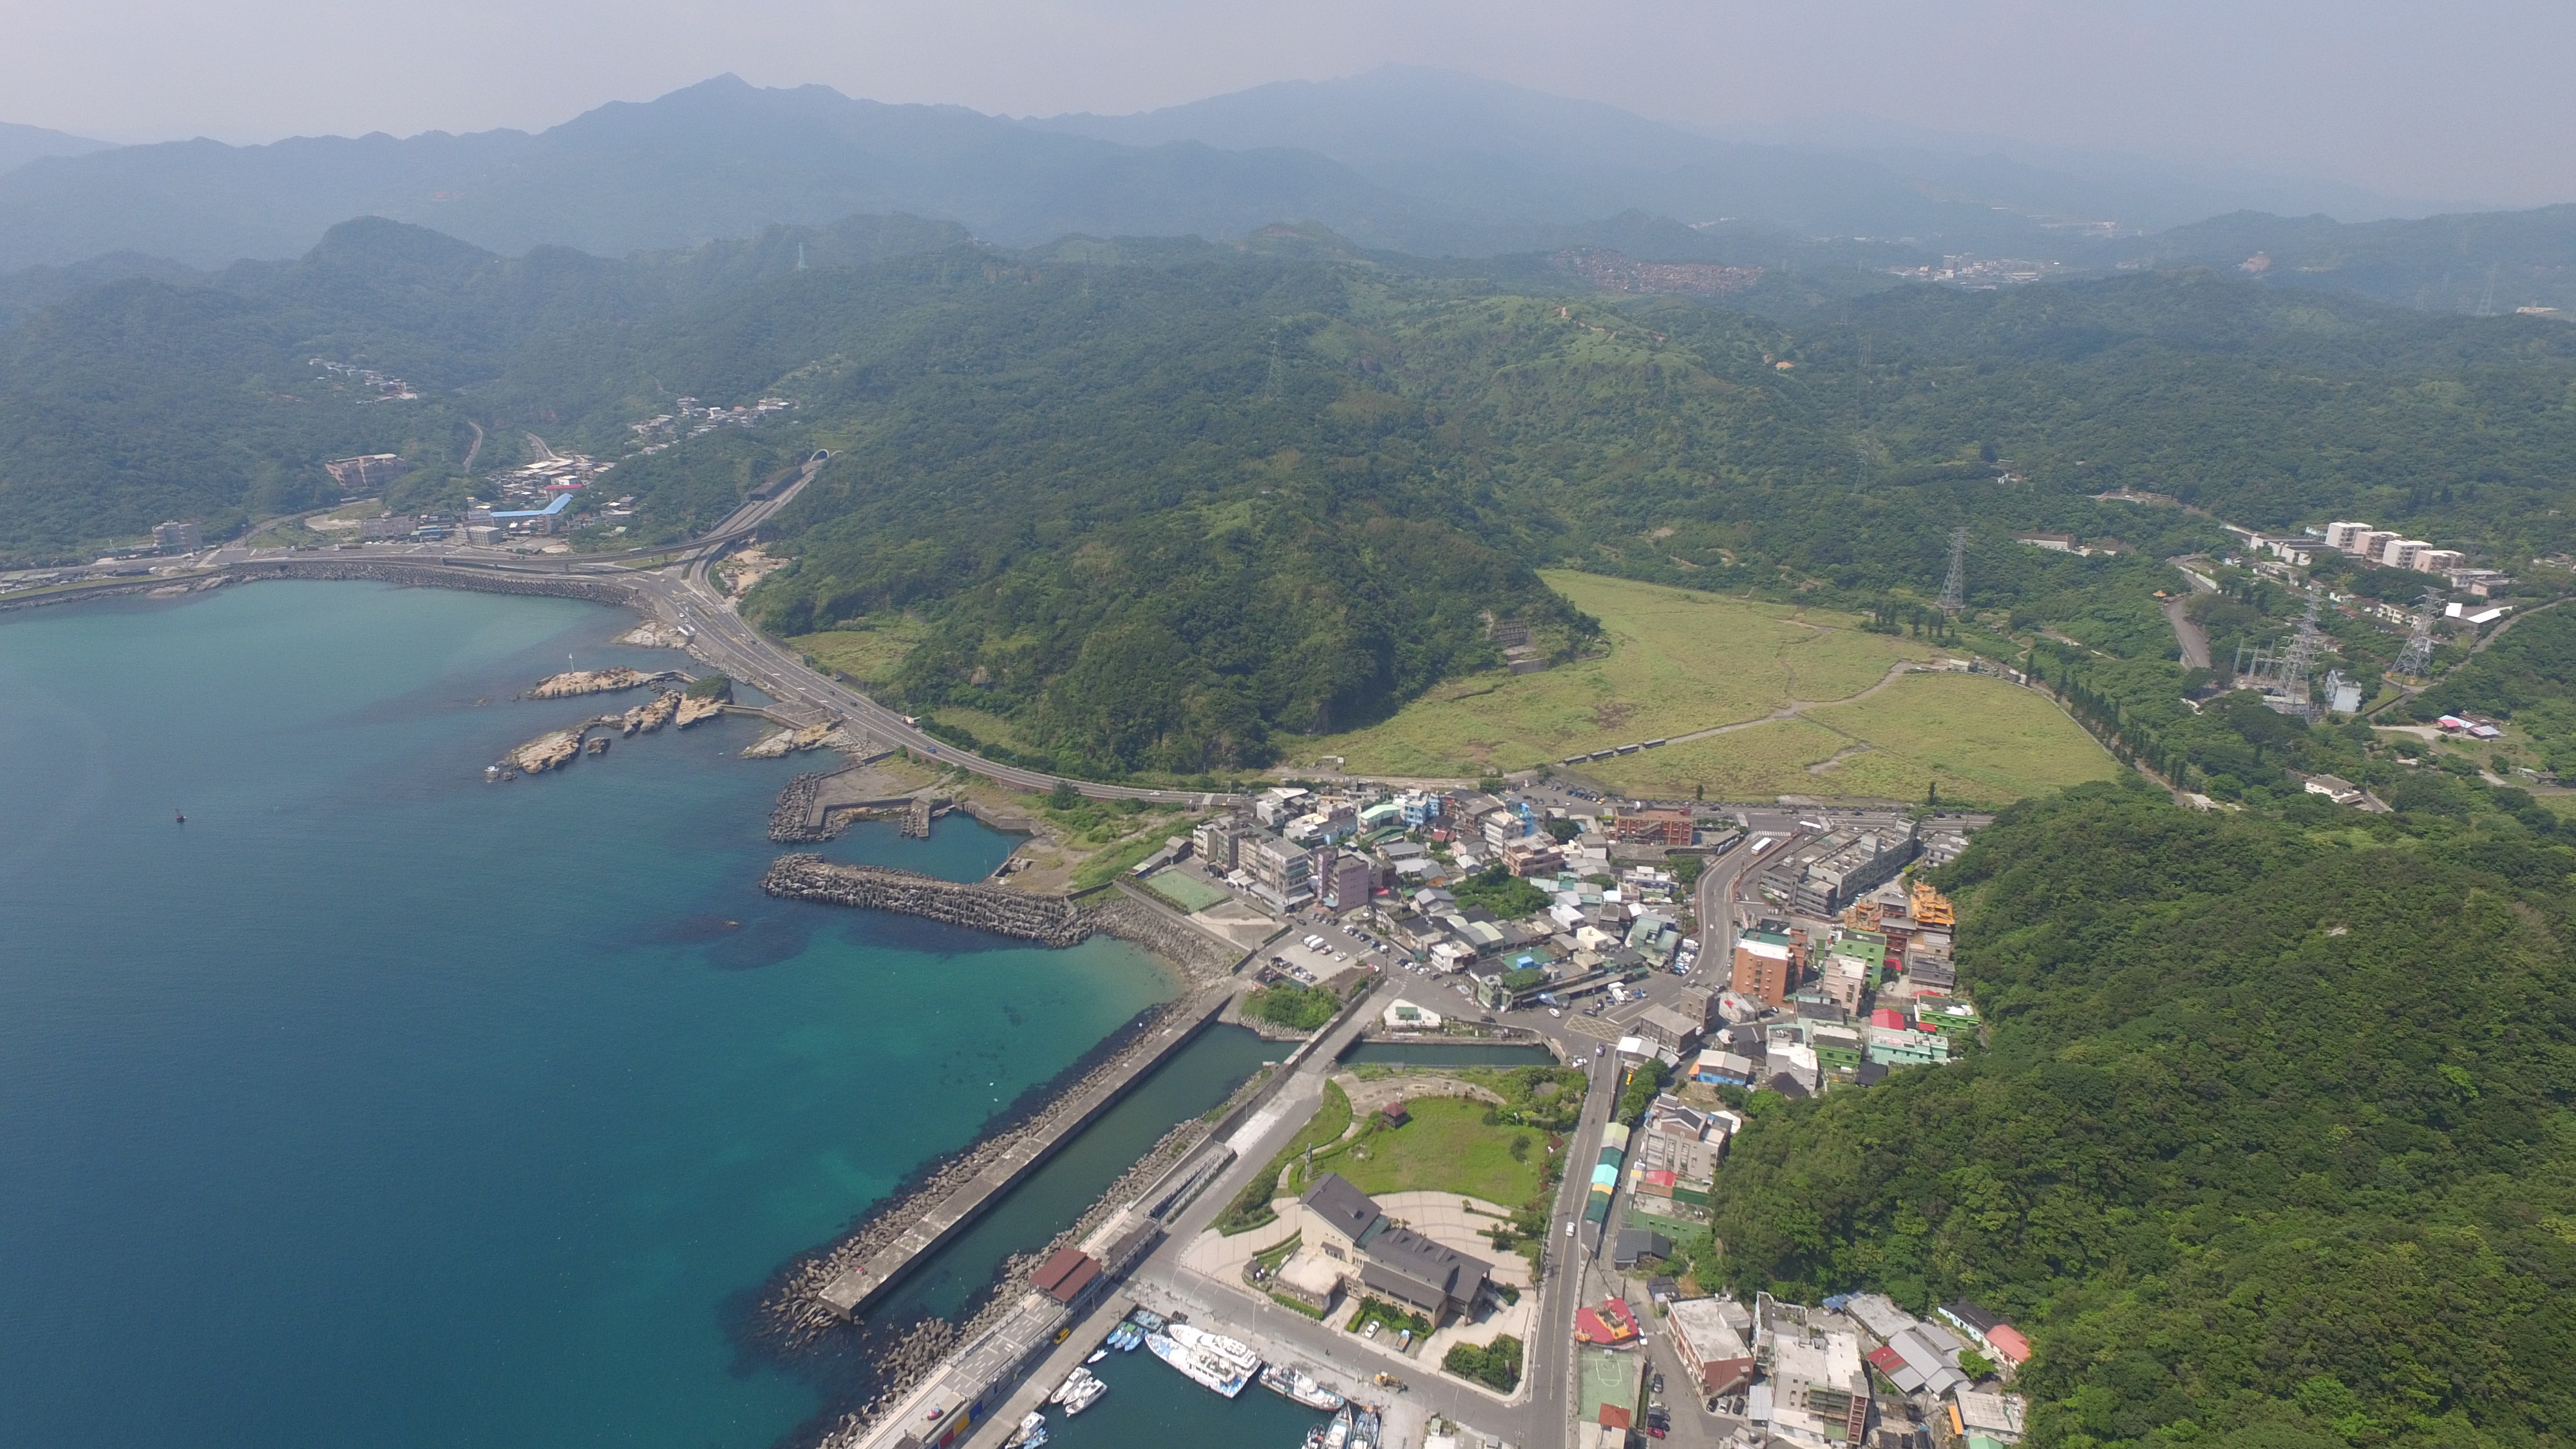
1428 163
1422 161
22 144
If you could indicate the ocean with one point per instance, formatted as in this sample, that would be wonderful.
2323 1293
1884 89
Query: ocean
380 1105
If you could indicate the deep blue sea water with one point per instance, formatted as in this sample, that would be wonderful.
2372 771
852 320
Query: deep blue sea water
378 1105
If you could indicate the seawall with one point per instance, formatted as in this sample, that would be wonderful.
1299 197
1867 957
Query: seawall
836 1284
414 575
1047 920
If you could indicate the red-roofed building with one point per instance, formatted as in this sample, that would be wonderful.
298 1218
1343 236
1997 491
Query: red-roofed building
2010 1348
1609 1323
1889 1016
1064 1276
1886 1360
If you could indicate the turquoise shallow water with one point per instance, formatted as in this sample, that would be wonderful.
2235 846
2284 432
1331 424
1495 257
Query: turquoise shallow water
380 1105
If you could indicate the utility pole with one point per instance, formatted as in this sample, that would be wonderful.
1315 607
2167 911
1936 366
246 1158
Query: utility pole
1954 589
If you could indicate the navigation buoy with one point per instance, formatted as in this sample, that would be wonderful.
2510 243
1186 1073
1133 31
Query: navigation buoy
179 816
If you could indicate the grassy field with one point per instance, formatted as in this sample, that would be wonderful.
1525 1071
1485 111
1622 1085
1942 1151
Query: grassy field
1981 740
1445 1148
1676 661
1186 891
866 655
1978 738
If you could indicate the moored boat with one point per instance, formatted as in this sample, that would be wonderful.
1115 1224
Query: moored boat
1072 1381
1030 1435
1337 1434
1199 1368
1084 1395
1364 1430
1150 1322
1228 1351
1299 1386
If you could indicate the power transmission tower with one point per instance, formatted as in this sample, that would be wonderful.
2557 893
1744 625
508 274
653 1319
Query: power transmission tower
2486 306
1954 589
2417 659
2282 674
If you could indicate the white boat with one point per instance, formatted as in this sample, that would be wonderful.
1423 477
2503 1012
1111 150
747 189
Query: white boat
1364 1430
1084 1395
1030 1435
1207 1373
1299 1386
1072 1381
1229 1351
1337 1435
1097 1355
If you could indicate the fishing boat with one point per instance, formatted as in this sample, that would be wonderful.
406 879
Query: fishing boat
1217 1378
1337 1434
1299 1386
1084 1394
1149 1322
1315 1437
1228 1351
1364 1430
1125 1337
1030 1435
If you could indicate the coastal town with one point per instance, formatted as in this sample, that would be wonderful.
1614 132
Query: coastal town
1519 1022
1520 1025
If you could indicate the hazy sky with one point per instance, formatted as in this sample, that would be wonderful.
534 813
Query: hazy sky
2467 99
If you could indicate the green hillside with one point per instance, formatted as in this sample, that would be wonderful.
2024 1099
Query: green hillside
2271 1144
1281 488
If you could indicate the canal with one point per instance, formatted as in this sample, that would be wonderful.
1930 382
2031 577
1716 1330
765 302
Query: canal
1448 1054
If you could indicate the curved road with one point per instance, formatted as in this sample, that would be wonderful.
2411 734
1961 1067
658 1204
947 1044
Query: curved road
721 637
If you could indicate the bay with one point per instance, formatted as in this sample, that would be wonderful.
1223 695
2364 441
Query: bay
378 1104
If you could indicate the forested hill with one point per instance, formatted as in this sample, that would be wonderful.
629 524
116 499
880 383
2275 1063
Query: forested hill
2271 1147
1284 483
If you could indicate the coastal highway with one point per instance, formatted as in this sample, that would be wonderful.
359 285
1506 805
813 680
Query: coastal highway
682 592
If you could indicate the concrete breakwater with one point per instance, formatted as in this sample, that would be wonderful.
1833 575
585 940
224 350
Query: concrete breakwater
831 1287
927 1346
1047 920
